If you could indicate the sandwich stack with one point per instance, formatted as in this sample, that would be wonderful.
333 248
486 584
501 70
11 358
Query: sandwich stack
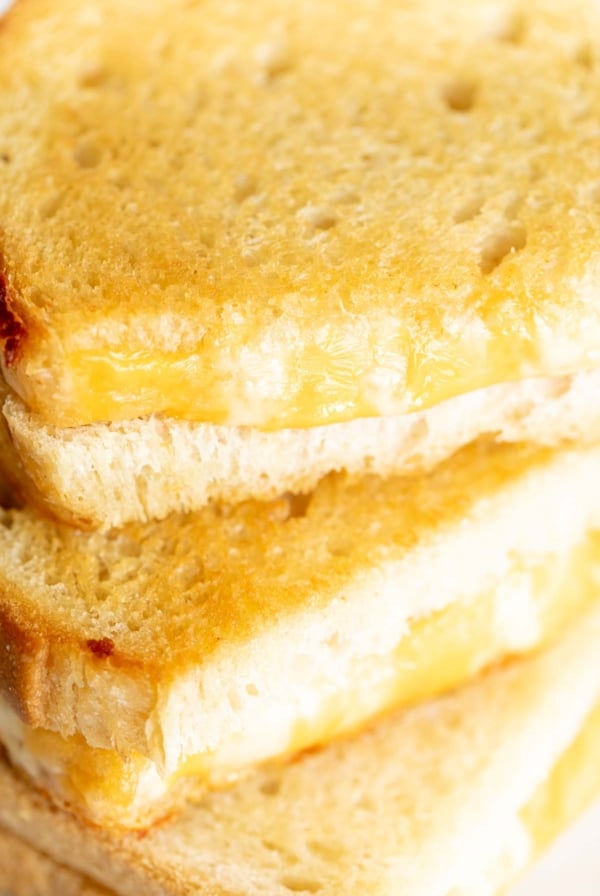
300 440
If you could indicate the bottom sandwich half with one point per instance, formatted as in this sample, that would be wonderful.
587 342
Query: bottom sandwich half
457 795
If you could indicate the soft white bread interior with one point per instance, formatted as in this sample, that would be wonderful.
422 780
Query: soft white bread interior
105 475
454 796
234 635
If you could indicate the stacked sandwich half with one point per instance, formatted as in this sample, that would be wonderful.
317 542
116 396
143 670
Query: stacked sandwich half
300 440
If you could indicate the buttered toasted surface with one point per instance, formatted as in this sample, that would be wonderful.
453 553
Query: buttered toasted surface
164 591
285 214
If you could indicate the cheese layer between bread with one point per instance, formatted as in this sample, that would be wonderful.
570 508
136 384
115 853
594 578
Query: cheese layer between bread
528 608
572 785
104 475
458 795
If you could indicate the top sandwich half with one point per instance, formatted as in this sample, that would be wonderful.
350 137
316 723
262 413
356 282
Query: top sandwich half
282 216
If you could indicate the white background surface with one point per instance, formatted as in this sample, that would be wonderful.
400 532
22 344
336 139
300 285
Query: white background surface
572 867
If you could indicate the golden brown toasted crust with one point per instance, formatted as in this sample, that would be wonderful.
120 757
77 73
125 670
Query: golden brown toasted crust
306 213
22 659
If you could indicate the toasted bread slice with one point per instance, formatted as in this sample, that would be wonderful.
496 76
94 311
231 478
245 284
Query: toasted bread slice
283 215
455 796
105 475
183 652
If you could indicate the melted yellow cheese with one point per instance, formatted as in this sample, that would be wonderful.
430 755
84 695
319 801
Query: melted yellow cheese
436 654
449 647
316 385
573 785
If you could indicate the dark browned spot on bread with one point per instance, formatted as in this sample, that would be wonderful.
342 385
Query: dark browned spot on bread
12 331
500 244
459 95
102 648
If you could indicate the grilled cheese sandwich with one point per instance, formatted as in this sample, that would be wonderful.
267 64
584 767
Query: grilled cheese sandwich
388 228
371 290
529 609
457 795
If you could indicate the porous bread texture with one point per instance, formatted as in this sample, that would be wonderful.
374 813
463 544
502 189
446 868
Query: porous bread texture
427 802
26 872
105 475
278 214
167 638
